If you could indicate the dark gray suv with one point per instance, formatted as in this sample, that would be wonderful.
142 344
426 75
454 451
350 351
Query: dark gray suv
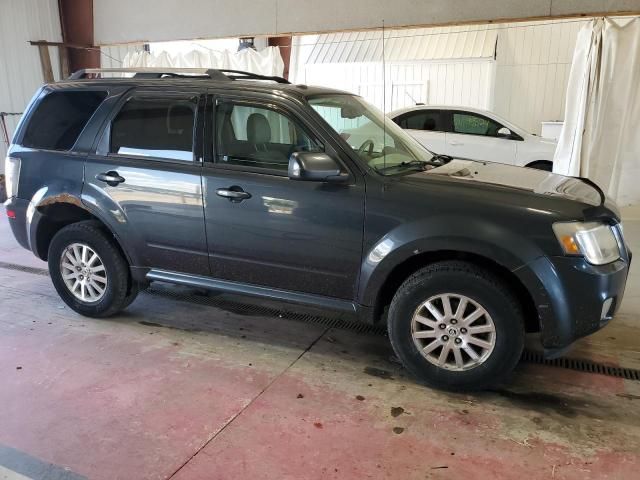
247 184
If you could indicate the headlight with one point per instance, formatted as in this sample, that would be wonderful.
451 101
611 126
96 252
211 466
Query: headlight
11 175
595 241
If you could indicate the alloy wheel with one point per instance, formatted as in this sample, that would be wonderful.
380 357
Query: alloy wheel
83 272
453 332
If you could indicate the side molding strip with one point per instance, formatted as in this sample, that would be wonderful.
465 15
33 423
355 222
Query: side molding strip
252 290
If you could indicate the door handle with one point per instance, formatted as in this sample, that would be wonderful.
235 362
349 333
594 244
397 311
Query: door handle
455 144
111 178
233 194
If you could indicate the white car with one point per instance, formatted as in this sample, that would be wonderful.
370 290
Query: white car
464 132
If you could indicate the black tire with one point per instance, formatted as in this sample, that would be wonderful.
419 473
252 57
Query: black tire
483 287
134 290
120 290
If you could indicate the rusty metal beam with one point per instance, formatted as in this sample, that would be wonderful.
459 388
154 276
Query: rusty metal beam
76 19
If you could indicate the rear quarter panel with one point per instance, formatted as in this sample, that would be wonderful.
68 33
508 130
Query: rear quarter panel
51 176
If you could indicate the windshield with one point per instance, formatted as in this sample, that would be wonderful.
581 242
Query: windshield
381 144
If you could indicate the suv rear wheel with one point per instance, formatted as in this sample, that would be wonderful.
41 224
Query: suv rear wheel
456 326
89 272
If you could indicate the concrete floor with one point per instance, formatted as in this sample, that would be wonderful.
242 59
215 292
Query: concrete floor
180 390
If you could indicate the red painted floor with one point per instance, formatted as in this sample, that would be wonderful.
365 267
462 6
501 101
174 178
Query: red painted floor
352 430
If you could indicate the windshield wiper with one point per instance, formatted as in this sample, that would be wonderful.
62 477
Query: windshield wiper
417 164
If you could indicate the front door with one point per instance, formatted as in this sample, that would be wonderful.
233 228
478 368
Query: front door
427 127
146 178
293 235
475 137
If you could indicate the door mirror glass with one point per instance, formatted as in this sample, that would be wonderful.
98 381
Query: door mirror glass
504 132
314 167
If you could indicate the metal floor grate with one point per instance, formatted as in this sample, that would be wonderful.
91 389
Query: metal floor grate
582 365
250 308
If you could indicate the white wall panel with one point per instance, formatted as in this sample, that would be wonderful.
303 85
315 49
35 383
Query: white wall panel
532 71
526 83
436 83
126 21
20 71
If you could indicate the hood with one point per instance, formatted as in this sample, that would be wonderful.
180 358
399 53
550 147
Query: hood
525 179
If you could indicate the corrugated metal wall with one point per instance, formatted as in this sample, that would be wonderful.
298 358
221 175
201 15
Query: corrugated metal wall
436 43
525 82
435 83
443 65
20 71
532 71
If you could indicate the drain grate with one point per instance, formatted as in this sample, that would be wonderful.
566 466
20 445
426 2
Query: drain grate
248 308
581 365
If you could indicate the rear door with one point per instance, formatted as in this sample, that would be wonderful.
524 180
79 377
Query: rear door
145 179
427 126
299 236
475 136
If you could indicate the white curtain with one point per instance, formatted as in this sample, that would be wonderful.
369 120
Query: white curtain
267 61
600 138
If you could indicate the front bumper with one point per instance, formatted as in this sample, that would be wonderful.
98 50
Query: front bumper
575 298
18 221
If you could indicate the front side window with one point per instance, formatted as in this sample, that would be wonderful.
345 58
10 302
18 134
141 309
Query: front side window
60 117
427 120
155 127
378 141
258 136
471 124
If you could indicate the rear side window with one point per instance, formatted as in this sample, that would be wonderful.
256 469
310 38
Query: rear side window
473 124
59 119
155 127
430 120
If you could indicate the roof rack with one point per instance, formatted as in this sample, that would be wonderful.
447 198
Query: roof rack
154 72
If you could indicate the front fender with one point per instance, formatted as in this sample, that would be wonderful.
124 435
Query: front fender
482 237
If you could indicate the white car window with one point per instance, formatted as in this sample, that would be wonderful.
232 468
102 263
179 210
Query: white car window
472 124
428 120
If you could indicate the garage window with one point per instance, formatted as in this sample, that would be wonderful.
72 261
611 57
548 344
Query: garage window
59 119
155 127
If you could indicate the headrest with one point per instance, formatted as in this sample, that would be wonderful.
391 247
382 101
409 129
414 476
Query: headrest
258 129
429 124
180 120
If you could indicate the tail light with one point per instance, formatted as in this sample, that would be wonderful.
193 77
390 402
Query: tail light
11 175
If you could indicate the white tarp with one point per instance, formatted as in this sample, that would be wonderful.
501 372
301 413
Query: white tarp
267 61
600 138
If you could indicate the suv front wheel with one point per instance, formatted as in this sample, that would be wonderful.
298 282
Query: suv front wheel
456 326
88 271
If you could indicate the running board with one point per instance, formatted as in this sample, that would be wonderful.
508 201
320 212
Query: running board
252 290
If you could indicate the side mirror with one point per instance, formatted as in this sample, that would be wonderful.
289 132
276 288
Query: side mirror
504 132
314 167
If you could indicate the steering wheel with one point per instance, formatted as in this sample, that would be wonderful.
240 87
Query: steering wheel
363 147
